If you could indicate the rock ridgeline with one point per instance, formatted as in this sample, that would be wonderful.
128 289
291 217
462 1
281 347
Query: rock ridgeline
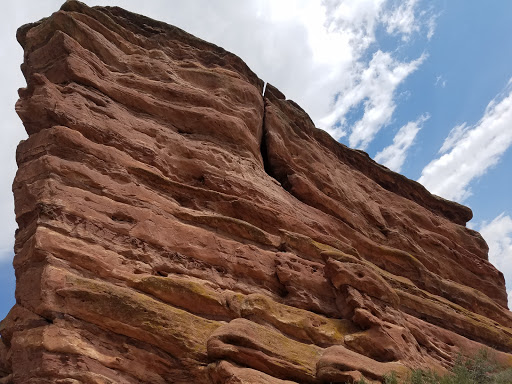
177 227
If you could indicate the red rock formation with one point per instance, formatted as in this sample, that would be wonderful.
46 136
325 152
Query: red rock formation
175 227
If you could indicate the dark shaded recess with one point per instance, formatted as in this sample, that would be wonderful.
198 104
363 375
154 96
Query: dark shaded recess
271 168
264 150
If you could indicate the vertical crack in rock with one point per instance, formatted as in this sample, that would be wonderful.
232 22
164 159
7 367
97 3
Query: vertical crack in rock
263 146
153 247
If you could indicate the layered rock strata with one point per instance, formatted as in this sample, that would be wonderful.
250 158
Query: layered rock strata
176 226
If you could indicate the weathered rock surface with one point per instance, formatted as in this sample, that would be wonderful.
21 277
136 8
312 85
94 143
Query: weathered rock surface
177 227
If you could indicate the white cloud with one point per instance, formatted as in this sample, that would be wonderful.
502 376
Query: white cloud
456 135
11 130
402 19
370 86
356 18
440 81
498 235
377 87
373 87
405 19
432 24
394 155
469 152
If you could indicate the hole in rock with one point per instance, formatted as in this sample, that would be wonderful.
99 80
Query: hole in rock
123 217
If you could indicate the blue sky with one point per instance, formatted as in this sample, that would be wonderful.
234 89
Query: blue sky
402 80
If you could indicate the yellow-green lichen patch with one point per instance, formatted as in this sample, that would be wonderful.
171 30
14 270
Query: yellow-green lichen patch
436 307
342 257
204 298
194 295
265 349
298 323
136 315
310 249
457 319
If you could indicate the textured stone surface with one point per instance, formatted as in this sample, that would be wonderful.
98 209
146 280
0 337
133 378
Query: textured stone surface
176 226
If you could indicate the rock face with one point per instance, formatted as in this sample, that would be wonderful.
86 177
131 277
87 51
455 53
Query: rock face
177 227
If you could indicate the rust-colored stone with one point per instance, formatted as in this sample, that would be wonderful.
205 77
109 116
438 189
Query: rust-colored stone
176 226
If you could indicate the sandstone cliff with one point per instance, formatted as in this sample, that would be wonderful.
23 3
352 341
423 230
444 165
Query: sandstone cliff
177 227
